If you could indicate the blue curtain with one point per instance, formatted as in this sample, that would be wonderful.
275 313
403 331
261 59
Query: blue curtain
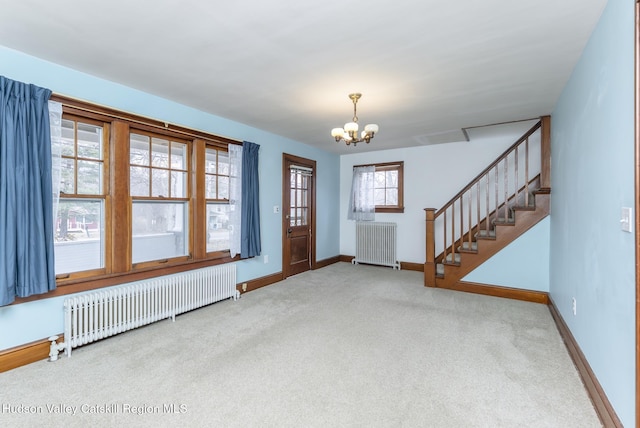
26 218
250 232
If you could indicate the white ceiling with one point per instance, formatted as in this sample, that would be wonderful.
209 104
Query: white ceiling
426 68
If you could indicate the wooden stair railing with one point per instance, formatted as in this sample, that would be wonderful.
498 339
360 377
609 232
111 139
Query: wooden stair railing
507 185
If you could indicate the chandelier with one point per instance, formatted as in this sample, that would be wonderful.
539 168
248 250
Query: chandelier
349 134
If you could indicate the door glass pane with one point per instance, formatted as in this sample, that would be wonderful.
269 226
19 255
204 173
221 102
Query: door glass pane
160 230
79 235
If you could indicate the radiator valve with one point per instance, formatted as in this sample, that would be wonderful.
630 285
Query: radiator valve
55 348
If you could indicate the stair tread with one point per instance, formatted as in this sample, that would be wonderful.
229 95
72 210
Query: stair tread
502 221
525 208
468 251
468 247
484 234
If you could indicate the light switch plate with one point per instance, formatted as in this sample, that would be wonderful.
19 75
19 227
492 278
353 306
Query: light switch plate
625 219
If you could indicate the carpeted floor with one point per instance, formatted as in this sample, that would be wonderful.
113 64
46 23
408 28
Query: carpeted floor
343 346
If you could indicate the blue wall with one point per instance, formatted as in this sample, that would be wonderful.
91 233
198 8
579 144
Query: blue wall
592 260
32 321
522 264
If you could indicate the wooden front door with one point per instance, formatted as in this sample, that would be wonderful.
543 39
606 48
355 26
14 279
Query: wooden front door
298 214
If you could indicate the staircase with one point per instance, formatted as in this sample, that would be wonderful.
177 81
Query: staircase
504 201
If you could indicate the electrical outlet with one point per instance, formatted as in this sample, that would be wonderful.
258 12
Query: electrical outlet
244 286
573 305
266 259
276 209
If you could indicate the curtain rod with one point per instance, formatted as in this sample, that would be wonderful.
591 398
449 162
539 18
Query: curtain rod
103 110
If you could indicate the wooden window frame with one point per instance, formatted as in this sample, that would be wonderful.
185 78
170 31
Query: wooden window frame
222 201
185 199
104 196
388 166
118 203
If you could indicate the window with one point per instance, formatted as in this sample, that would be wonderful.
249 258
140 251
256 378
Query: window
159 183
139 198
388 186
79 229
217 172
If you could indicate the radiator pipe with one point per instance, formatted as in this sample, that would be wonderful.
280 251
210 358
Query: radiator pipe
55 348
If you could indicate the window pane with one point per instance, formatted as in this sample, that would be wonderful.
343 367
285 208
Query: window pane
178 184
210 161
159 153
68 138
67 176
379 179
223 187
139 181
392 178
292 217
178 156
379 197
211 187
299 217
160 182
139 151
160 231
292 198
223 163
392 196
89 178
79 238
89 141
217 227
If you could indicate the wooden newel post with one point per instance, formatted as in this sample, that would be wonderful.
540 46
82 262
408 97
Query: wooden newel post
430 262
545 154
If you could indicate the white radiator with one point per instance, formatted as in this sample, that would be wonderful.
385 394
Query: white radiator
376 244
99 314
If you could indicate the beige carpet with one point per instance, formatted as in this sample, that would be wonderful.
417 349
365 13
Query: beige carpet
343 346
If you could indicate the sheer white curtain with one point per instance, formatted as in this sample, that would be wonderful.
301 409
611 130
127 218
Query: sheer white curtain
362 206
235 198
55 124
